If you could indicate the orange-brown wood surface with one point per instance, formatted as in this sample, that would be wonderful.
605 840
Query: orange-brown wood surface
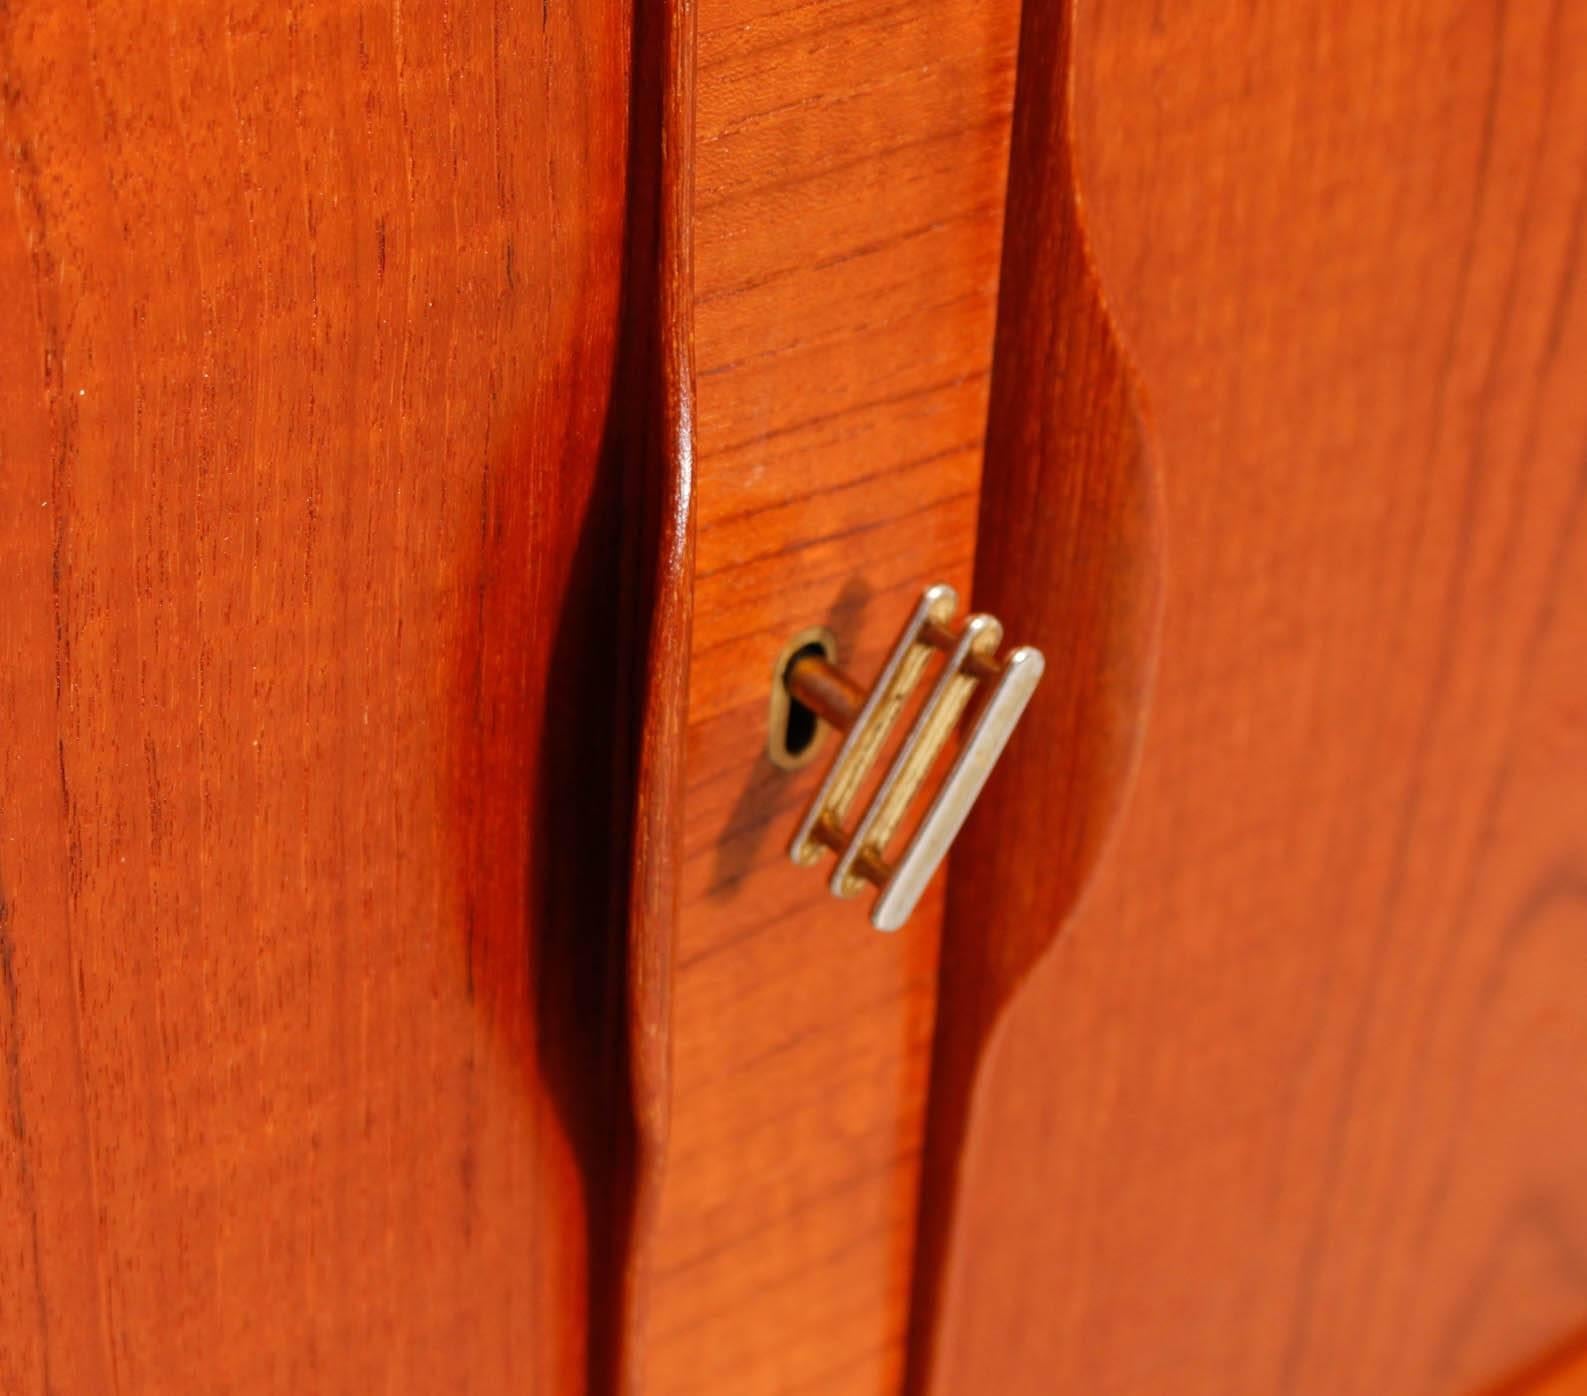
345 554
342 622
849 189
1294 1102
1070 557
654 453
1562 1372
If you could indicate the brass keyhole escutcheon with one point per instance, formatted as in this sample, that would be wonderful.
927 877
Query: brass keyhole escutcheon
794 731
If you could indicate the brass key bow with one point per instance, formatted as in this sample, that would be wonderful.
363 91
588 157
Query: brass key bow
970 668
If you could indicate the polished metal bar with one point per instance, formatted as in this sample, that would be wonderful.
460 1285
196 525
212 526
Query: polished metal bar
950 806
871 726
931 728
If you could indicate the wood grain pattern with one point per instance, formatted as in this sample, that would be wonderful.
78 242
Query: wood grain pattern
1292 1103
332 560
1069 558
851 161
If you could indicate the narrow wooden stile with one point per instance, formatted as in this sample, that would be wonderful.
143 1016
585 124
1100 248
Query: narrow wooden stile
661 194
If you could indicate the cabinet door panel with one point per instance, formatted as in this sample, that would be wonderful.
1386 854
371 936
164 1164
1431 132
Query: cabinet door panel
325 625
1294 1102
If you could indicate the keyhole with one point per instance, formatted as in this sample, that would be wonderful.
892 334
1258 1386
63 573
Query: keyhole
793 731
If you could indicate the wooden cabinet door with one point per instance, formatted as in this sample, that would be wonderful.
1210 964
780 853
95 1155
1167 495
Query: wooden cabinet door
1262 1025
339 457
403 984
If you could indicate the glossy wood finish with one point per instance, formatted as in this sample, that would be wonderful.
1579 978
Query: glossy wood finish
849 193
345 540
337 572
1292 1104
655 393
1069 557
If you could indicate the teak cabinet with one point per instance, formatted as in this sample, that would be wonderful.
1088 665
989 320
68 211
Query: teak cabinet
422 427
